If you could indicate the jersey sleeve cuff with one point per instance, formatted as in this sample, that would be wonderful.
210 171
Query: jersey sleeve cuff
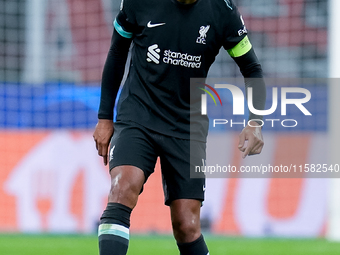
121 30
105 115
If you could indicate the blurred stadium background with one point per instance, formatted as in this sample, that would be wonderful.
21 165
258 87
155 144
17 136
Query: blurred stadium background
51 180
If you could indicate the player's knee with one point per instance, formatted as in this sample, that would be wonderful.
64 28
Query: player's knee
124 192
185 231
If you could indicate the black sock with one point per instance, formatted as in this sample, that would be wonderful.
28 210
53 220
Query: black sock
197 247
113 231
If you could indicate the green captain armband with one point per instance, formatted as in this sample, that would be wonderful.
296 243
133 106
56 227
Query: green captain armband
241 48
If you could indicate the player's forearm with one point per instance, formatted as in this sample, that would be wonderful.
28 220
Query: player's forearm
259 95
249 65
113 74
252 72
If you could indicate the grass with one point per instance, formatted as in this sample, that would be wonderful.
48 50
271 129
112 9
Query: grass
165 245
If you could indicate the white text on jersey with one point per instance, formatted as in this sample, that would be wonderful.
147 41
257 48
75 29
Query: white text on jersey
182 59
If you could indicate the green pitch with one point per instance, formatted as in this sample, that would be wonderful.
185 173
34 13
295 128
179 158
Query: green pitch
164 245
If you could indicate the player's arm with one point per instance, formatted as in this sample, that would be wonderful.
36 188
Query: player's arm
238 45
111 79
252 72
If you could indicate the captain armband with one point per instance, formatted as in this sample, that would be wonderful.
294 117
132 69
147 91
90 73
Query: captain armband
241 48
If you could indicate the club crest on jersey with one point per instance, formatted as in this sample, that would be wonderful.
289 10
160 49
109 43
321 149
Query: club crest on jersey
203 34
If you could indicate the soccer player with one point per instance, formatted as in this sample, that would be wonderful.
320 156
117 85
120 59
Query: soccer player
173 41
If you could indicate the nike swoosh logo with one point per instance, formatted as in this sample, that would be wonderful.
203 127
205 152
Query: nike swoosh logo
154 25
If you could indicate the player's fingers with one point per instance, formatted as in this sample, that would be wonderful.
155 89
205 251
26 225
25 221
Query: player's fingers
95 136
257 149
102 151
249 147
242 139
96 144
95 140
258 144
105 160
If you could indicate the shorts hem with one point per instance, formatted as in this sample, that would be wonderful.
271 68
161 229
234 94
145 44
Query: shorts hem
146 173
168 201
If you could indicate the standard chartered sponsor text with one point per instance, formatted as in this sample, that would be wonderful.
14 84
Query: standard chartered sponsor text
182 59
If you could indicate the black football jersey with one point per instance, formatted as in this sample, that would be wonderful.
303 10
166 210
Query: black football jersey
173 42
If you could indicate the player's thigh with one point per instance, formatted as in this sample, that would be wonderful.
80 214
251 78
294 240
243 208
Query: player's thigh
132 159
178 160
132 145
126 183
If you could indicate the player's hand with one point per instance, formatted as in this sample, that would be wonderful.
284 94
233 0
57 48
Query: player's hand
102 136
251 140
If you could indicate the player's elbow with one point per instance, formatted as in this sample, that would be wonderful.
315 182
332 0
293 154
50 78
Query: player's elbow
253 70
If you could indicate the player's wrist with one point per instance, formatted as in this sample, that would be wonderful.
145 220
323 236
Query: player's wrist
255 123
105 121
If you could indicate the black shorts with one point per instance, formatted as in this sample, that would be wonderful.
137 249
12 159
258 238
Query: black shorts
135 145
